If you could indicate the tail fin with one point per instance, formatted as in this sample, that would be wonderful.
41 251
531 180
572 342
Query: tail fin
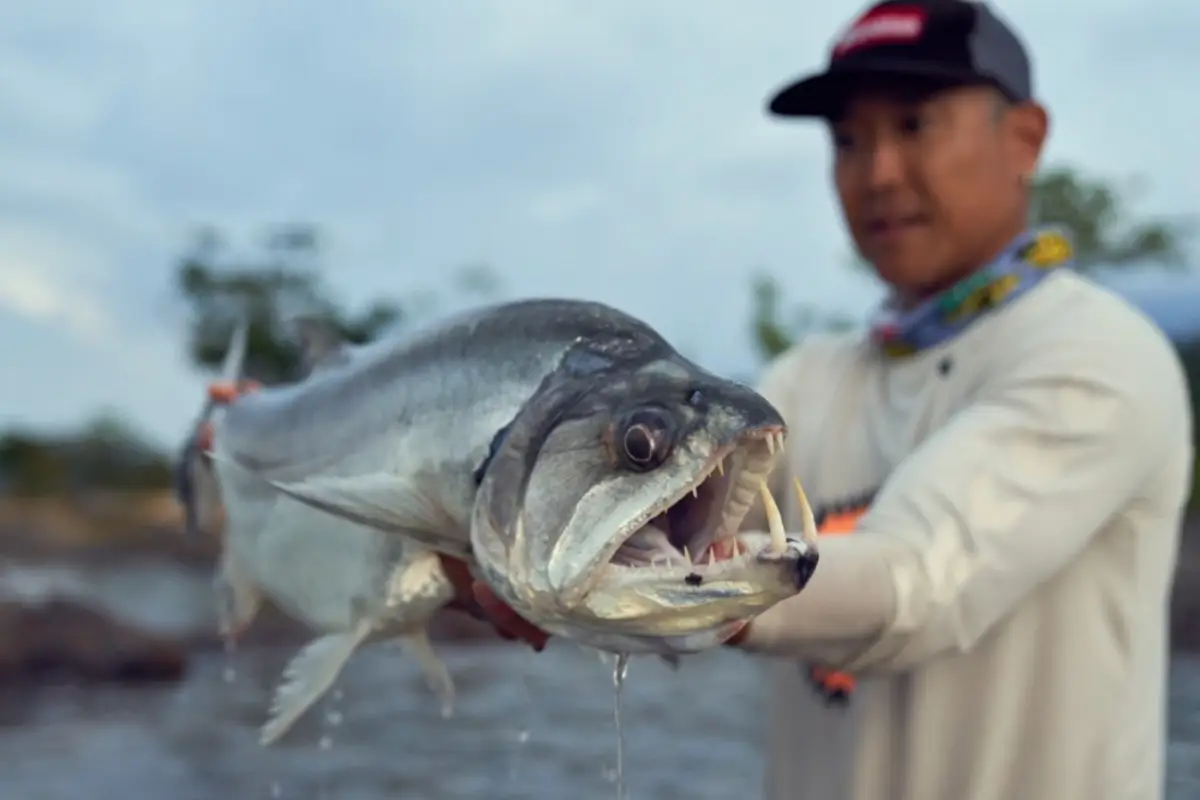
191 466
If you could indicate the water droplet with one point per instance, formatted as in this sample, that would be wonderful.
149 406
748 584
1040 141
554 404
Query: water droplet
620 670
326 742
276 790
334 718
523 737
229 673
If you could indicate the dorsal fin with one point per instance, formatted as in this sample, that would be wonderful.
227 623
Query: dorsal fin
321 344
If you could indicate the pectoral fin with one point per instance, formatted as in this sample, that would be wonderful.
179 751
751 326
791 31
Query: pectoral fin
436 674
382 501
308 676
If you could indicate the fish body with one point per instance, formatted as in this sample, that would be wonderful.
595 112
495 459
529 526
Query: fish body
589 473
349 583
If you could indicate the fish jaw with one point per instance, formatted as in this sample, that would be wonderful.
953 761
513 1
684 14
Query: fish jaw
697 596
582 558
688 608
642 644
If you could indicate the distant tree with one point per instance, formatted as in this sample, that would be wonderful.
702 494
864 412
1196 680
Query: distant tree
105 454
1093 210
775 329
29 465
1098 217
274 287
109 453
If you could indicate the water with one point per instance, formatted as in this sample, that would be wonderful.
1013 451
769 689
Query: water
529 726
197 740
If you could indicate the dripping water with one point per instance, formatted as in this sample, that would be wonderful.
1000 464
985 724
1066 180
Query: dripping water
330 724
229 672
523 733
620 668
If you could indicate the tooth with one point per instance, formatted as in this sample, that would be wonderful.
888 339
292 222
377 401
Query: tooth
721 467
711 555
779 440
771 443
695 491
774 519
809 530
686 554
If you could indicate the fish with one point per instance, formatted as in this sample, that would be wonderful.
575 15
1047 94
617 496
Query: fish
588 472
351 584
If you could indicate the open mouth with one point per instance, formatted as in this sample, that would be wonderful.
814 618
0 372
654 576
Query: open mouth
699 529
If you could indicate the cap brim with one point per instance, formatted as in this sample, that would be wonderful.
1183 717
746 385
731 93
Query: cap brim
822 95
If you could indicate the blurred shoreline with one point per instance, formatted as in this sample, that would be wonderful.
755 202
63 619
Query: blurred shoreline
106 587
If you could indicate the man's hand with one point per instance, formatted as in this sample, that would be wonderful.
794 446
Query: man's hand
477 599
738 637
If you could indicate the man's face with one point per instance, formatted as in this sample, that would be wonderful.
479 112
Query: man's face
931 183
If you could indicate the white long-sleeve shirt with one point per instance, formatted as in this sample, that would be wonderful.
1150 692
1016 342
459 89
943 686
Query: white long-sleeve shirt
1003 602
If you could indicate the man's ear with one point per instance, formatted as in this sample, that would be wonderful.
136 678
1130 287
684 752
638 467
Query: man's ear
1028 127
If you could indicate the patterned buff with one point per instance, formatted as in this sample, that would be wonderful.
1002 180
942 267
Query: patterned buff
942 317
901 333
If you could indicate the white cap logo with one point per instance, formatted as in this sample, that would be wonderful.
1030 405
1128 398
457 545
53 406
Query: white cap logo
884 26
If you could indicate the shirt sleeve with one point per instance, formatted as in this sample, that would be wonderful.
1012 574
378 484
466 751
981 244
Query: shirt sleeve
989 507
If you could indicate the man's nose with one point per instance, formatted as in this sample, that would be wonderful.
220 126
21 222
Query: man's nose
885 165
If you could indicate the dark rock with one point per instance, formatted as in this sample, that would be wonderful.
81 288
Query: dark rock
63 642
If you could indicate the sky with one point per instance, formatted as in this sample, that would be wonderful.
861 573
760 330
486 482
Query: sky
616 151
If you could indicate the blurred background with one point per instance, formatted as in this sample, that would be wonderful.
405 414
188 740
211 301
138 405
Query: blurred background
386 163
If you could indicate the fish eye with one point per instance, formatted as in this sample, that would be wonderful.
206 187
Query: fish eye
647 436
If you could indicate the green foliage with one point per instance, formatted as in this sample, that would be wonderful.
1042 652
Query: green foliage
273 288
1098 217
775 329
106 454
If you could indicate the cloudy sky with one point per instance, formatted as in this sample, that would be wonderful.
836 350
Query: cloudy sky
613 150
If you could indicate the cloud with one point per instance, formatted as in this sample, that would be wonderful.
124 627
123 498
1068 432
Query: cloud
616 151
25 292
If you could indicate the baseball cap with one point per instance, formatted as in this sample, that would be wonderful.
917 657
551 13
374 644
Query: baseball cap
936 42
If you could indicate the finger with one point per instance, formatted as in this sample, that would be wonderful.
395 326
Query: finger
507 620
459 575
738 636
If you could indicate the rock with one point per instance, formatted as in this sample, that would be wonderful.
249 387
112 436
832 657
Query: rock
63 641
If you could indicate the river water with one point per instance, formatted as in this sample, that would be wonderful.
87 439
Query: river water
534 726
529 726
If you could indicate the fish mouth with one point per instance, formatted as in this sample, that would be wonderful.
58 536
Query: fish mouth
695 532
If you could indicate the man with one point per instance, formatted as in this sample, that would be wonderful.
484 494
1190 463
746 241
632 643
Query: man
1008 448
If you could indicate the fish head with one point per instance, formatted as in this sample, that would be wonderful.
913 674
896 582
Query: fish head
612 506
